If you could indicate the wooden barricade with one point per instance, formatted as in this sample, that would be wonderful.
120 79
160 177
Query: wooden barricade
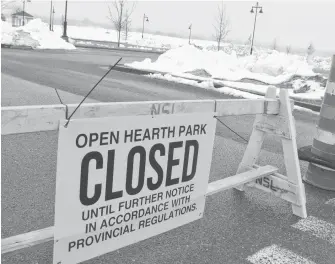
273 116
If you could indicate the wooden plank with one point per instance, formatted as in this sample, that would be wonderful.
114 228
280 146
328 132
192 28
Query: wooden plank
24 119
247 107
274 125
278 185
239 179
287 196
291 156
27 240
142 108
47 234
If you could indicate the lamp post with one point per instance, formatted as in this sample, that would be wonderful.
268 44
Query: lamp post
50 27
256 13
65 37
189 37
147 20
53 18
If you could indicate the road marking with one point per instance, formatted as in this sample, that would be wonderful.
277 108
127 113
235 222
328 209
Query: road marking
317 227
277 255
331 202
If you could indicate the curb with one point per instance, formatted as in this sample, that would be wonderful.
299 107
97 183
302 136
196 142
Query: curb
120 49
301 103
22 47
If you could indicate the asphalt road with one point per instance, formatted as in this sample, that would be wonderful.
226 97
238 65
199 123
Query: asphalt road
234 227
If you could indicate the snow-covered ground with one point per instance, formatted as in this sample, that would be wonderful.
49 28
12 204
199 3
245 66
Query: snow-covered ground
166 42
247 73
34 34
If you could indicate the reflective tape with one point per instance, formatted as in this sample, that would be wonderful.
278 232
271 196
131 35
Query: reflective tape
332 71
328 111
320 176
327 124
324 151
325 136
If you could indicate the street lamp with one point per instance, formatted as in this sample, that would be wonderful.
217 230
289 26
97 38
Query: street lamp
65 37
145 18
53 18
50 27
189 37
256 13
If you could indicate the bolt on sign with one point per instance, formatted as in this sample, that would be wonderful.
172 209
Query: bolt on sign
121 180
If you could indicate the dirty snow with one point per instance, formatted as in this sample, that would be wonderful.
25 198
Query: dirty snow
270 68
209 84
34 34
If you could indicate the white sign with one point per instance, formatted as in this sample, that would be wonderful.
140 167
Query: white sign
121 180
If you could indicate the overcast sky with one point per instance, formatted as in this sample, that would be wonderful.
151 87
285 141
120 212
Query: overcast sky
292 22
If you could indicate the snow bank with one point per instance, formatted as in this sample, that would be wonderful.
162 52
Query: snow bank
270 68
34 34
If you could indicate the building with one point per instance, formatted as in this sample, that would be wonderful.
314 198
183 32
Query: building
17 18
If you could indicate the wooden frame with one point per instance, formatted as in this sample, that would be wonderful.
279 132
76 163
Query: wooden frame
274 116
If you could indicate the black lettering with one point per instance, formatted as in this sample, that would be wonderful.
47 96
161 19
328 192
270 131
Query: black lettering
130 136
259 181
196 129
155 165
109 178
130 169
272 187
138 134
164 110
71 245
93 137
84 199
103 137
77 141
266 182
202 129
172 162
154 110
181 130
195 145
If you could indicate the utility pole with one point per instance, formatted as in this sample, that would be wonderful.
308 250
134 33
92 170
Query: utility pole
256 13
147 20
24 5
189 37
65 37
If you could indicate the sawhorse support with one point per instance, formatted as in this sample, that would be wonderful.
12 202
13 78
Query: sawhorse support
290 187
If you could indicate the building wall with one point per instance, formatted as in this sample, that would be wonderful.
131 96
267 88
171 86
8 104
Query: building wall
17 21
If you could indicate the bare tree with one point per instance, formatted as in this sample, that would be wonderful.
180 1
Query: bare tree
127 22
222 25
310 49
274 44
119 17
5 4
288 49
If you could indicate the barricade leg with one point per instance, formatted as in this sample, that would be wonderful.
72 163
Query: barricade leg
290 187
256 139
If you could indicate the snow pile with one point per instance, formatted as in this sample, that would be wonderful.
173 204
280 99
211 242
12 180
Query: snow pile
34 34
270 68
